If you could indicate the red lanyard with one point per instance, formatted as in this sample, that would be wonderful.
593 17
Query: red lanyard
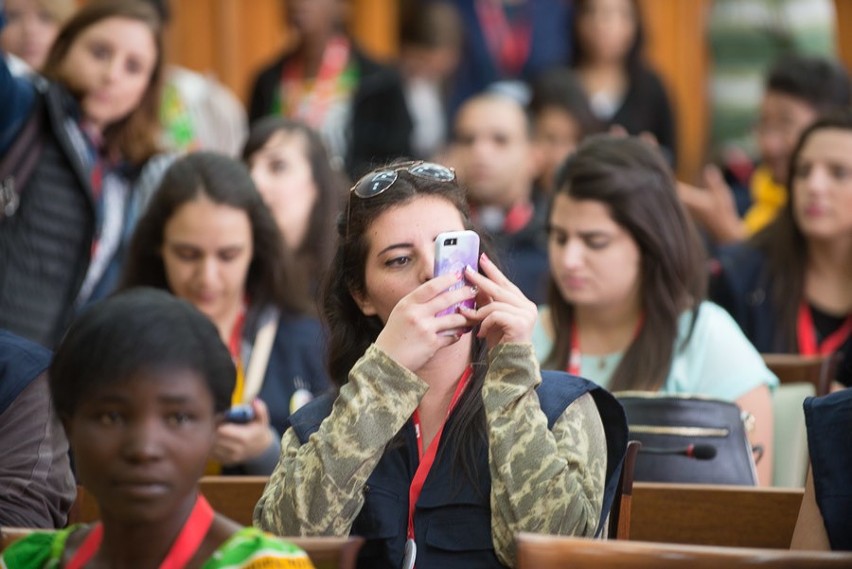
236 339
312 106
808 345
427 458
508 43
576 357
181 552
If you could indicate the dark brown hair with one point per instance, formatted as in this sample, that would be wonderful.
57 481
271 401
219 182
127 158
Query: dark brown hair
784 244
633 181
135 137
317 248
271 279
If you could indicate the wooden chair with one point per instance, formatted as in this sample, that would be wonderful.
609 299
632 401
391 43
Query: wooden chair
9 535
619 518
556 552
699 514
232 496
796 368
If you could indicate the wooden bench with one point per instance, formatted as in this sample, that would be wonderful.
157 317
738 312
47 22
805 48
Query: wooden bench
232 496
796 368
736 516
556 552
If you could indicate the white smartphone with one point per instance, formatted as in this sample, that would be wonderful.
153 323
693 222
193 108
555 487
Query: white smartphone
455 250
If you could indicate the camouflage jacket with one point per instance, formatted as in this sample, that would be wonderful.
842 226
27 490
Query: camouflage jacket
542 481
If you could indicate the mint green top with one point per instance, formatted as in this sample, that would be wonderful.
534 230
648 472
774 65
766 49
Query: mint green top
249 548
718 361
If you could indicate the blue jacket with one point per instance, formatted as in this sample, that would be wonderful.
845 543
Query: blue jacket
829 421
453 520
21 361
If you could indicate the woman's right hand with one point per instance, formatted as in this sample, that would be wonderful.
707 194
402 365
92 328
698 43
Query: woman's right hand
413 333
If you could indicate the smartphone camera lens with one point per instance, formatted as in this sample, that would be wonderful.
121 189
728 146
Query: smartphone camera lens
450 241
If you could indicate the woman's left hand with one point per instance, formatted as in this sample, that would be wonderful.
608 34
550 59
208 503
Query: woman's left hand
237 443
505 315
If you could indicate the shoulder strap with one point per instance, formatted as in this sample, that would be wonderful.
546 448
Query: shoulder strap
306 421
19 161
259 359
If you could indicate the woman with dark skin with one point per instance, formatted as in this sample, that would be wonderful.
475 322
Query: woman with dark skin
142 421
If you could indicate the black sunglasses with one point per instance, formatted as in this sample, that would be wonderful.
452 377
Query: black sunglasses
380 181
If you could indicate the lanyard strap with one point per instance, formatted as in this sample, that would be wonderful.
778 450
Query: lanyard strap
312 104
575 357
427 458
235 343
182 550
806 333
509 43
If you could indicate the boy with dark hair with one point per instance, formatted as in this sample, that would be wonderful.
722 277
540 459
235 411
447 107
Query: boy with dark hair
798 90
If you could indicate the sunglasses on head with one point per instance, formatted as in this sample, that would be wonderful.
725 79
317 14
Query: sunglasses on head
379 181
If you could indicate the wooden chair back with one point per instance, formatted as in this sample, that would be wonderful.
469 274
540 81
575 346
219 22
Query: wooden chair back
699 514
795 368
232 496
619 517
556 552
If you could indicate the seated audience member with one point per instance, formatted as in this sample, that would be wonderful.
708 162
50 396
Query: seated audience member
430 39
626 300
561 118
92 163
290 166
494 156
207 237
140 382
824 521
623 90
419 391
790 287
357 105
198 112
31 27
798 90
37 486
509 40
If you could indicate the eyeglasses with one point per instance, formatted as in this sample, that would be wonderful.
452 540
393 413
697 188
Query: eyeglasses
380 181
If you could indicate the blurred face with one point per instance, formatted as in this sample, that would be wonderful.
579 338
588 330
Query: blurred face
110 66
607 29
283 176
141 444
822 186
493 152
594 262
556 136
315 17
29 32
782 119
207 249
401 254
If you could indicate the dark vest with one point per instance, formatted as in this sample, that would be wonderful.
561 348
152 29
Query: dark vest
21 361
45 245
829 421
452 521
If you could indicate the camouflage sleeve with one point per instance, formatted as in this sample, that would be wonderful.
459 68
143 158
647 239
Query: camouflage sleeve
541 481
317 488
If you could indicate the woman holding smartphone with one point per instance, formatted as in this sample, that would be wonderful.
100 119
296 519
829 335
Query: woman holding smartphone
426 449
207 237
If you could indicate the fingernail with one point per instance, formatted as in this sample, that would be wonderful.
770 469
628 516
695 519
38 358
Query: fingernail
469 269
474 289
484 257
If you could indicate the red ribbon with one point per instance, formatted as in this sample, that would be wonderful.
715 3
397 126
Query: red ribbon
806 333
